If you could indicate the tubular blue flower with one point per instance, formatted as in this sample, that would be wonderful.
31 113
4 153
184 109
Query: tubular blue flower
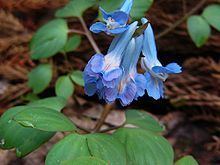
131 84
103 72
115 22
155 73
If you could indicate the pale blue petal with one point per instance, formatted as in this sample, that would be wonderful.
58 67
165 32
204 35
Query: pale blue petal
116 30
127 5
97 63
111 94
90 89
98 27
112 74
149 45
120 17
128 93
104 13
154 86
169 69
140 82
99 84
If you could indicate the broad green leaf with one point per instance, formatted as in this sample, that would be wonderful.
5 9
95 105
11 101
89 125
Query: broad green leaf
187 160
39 78
72 43
13 135
49 39
75 8
212 15
77 77
139 8
143 120
144 147
102 146
199 30
85 161
64 87
56 103
44 119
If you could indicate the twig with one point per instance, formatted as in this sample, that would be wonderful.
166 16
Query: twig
177 23
89 35
111 128
76 31
104 114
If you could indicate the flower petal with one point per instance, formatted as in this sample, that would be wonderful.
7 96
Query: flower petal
140 82
104 13
116 30
111 94
154 86
114 73
170 68
120 17
127 5
90 89
97 63
98 27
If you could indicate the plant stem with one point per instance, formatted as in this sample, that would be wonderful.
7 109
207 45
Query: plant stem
76 31
111 128
177 23
89 35
104 114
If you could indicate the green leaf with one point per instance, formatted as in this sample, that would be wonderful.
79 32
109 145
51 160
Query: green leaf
49 39
13 135
199 30
144 147
212 15
44 119
85 161
102 146
56 103
75 8
30 97
64 87
72 43
187 160
77 77
139 8
39 78
143 120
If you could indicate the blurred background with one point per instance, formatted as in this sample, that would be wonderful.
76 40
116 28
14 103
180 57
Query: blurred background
190 111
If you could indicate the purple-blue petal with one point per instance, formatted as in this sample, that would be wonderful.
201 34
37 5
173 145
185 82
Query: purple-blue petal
120 17
140 82
90 89
98 27
169 69
127 5
97 63
114 73
111 94
118 30
154 86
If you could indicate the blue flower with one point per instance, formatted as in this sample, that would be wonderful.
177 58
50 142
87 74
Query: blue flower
103 72
115 22
155 73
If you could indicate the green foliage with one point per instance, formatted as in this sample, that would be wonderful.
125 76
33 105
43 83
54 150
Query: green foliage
212 15
102 146
13 135
72 43
44 119
77 77
75 8
144 147
39 78
143 120
138 10
55 103
64 87
187 160
49 39
199 30
85 160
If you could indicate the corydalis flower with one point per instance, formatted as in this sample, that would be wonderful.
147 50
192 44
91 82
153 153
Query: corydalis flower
131 84
103 72
115 22
155 72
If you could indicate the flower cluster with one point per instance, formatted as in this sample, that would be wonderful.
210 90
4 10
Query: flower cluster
114 75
